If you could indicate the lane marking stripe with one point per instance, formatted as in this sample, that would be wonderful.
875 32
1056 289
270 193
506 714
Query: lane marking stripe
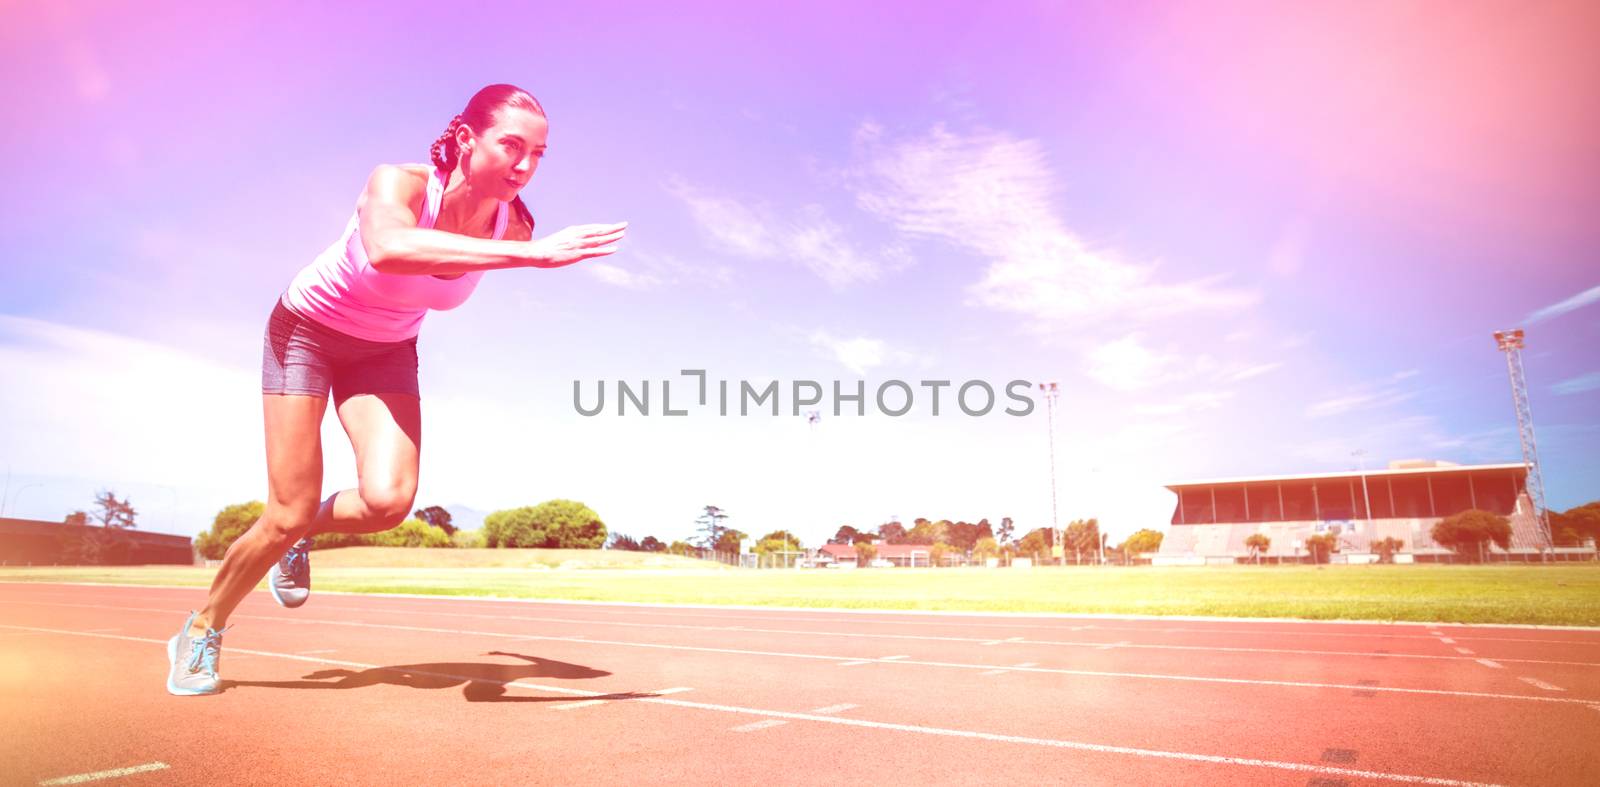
111 774
1539 684
840 708
840 662
1057 643
1265 625
1492 664
760 725
912 728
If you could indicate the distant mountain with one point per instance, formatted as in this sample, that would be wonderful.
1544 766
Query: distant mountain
464 518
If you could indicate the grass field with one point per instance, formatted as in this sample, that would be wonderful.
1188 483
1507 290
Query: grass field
1553 595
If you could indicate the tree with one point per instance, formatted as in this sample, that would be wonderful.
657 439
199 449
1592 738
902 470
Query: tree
113 513
711 526
652 544
1035 544
1386 548
940 551
410 533
865 552
928 533
624 543
553 524
680 548
1003 535
964 535
226 527
1142 541
1467 532
985 548
729 541
1583 522
1321 546
1083 535
779 542
892 533
847 535
79 518
1258 543
438 517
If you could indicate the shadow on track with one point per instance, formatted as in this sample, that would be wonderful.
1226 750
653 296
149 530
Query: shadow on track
480 682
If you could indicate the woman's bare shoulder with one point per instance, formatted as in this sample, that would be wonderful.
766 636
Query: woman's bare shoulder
404 184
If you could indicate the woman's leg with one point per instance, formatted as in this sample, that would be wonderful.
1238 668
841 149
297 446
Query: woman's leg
385 430
294 487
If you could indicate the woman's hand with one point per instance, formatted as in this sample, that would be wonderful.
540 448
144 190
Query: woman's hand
575 244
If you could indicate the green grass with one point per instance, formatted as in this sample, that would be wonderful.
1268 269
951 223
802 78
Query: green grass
1553 595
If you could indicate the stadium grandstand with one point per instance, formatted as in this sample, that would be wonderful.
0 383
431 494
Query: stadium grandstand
1214 517
33 542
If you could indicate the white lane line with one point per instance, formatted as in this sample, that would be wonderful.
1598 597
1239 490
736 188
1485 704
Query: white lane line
760 725
102 631
962 619
312 652
1539 684
981 641
1492 664
111 774
911 728
1028 664
893 658
1447 640
993 672
842 663
576 705
677 690
1464 651
840 708
990 642
1110 645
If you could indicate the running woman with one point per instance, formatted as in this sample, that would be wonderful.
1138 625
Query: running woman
421 238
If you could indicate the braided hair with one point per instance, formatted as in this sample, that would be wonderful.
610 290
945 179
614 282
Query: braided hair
479 115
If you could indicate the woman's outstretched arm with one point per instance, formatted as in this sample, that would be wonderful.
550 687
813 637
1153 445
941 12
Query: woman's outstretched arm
395 244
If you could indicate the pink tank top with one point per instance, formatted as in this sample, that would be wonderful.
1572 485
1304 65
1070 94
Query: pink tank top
341 290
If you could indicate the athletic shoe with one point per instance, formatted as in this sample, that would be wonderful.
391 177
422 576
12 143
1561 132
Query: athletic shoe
194 661
290 577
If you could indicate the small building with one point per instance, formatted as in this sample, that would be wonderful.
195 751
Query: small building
33 542
903 555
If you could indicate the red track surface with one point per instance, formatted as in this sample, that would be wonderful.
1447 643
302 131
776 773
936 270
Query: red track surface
381 690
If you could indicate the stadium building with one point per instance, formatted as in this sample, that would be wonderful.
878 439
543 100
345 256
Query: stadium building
1214 517
33 542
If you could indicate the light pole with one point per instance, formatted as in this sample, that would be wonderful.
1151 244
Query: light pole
1051 391
1366 500
16 497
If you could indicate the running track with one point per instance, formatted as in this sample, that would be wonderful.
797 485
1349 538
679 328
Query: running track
390 690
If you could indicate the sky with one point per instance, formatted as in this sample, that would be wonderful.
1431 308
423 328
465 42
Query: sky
1244 238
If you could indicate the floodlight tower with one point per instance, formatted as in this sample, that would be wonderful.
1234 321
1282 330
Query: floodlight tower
1510 343
1051 391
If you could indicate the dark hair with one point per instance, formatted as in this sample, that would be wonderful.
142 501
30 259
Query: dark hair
479 114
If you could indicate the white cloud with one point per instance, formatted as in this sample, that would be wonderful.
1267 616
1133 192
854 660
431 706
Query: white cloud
1198 401
1579 384
812 239
991 194
621 277
1128 365
1252 371
860 354
1574 303
1363 397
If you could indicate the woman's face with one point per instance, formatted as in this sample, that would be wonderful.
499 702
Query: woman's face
504 156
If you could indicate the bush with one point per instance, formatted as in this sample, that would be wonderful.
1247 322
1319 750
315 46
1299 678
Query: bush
410 533
229 524
467 539
553 524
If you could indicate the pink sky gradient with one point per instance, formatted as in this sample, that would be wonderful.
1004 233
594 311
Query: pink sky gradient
1247 238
